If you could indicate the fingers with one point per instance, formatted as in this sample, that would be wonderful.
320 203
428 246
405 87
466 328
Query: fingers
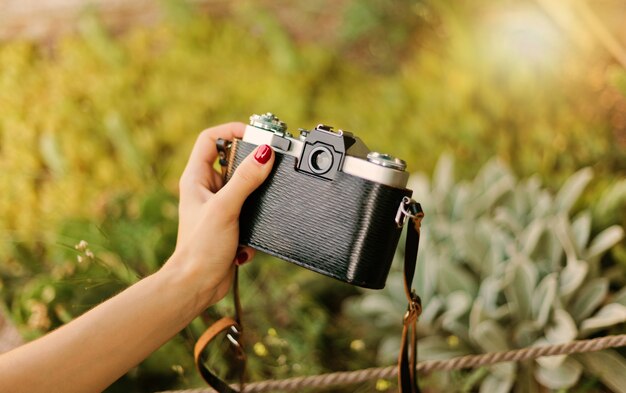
204 152
248 176
244 254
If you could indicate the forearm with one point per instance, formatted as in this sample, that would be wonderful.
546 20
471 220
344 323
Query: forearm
97 348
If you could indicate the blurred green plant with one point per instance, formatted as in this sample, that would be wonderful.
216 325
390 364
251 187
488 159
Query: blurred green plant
96 128
506 264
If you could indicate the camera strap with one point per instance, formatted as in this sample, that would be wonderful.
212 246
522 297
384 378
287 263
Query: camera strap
407 360
234 330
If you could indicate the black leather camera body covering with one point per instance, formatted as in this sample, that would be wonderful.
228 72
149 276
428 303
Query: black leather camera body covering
344 228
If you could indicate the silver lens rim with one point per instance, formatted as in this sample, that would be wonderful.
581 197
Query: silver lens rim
386 160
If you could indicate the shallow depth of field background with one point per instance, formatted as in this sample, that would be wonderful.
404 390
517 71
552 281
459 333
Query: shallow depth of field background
96 124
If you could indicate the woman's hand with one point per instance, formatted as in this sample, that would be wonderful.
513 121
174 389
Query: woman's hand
208 231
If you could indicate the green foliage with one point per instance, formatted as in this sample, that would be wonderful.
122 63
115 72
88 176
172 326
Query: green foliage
506 264
96 128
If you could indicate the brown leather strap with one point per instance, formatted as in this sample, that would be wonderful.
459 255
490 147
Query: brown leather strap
407 360
233 329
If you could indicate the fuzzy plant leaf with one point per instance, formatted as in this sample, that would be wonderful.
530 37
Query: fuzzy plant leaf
609 315
581 229
563 376
531 236
521 277
608 366
562 328
572 189
543 299
439 348
456 278
495 384
589 298
604 241
490 337
572 277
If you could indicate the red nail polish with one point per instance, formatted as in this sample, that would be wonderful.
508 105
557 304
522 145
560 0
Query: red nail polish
263 154
241 258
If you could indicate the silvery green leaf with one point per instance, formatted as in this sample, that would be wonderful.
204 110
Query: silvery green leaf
460 201
454 278
497 253
563 232
490 337
457 304
607 365
521 205
562 328
431 310
604 241
531 187
572 189
589 298
474 245
571 277
581 228
609 315
531 235
494 191
525 333
543 299
548 361
508 219
489 290
504 370
495 384
555 251
561 377
443 179
521 277
438 348
543 205
477 313
426 272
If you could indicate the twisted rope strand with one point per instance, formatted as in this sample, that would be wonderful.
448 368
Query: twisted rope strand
469 361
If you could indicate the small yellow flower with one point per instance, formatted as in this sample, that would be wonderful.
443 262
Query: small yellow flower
453 341
272 332
357 345
382 385
260 349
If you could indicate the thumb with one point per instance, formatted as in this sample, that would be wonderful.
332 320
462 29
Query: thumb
248 176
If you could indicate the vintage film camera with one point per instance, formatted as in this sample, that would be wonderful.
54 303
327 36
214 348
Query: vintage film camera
329 205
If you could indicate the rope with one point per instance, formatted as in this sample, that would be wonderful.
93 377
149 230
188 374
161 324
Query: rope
469 361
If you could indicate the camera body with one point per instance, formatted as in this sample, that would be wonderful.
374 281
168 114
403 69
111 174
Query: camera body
329 205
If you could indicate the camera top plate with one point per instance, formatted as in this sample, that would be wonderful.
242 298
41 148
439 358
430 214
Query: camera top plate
348 153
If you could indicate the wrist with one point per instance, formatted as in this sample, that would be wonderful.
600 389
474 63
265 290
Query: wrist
196 292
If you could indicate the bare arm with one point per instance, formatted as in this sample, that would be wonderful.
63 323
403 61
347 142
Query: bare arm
94 350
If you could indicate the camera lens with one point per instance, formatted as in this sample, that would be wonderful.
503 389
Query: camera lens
320 160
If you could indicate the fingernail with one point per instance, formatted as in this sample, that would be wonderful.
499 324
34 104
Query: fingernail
241 258
263 154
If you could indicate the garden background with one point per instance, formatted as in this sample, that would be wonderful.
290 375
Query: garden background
511 115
